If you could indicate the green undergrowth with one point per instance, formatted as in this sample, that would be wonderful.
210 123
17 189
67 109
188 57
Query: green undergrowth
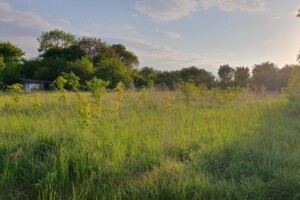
150 145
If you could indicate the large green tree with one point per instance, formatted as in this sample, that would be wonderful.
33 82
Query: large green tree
265 75
128 57
198 76
55 39
10 52
11 73
241 76
69 53
226 74
167 79
96 49
81 67
114 71
146 78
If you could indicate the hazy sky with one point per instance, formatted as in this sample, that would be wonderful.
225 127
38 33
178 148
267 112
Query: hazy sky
166 34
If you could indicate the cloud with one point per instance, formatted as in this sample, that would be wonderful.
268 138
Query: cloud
169 34
21 27
166 10
231 5
277 18
166 58
20 22
63 21
172 35
149 45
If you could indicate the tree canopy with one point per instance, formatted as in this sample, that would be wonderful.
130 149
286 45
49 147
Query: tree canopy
226 74
129 58
55 39
80 60
10 52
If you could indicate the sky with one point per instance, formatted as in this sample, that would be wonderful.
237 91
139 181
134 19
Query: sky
166 34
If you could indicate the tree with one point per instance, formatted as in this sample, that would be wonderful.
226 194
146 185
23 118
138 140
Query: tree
72 81
2 64
60 83
265 74
114 71
129 58
241 76
11 73
46 69
55 39
69 53
96 49
226 74
81 67
10 53
168 79
197 76
145 77
284 75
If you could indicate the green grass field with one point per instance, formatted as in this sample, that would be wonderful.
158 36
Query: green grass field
149 145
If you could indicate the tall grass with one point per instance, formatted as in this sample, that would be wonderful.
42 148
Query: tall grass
149 145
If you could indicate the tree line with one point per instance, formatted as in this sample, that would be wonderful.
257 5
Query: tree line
63 59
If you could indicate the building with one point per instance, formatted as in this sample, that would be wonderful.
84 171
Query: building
31 85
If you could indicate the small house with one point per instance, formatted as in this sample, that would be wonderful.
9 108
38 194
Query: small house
31 85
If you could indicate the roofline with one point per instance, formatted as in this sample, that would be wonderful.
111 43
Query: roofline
34 81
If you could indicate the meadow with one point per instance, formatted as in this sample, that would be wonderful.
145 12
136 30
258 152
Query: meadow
209 144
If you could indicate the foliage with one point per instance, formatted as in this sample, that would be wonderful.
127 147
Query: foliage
118 104
15 90
11 73
156 148
44 69
2 64
89 57
293 87
96 49
241 76
226 74
81 67
114 71
55 39
189 90
127 57
10 53
60 83
69 53
265 75
198 76
168 79
145 77
72 80
2 85
97 87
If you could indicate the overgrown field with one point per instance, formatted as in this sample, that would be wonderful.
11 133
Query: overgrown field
149 145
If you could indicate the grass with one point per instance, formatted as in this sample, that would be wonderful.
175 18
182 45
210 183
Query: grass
149 145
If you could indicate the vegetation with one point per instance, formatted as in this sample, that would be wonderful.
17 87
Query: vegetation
89 57
235 137
230 144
